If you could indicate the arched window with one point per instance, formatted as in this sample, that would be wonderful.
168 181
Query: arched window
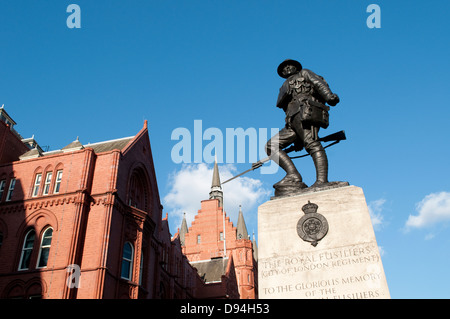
58 182
127 261
2 188
12 184
27 249
137 192
45 248
37 184
34 291
48 180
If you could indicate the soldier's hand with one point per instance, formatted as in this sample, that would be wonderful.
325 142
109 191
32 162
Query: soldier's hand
333 100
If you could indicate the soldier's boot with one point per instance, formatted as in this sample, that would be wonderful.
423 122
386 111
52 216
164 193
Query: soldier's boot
320 160
293 177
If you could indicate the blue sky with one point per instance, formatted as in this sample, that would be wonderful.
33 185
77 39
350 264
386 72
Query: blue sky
174 62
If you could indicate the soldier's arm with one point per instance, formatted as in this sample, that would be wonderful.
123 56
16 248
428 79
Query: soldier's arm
322 87
284 97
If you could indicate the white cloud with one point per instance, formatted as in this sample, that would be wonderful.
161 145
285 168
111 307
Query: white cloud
433 209
375 208
192 184
430 236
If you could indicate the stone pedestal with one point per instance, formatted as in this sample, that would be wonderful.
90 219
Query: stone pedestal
319 245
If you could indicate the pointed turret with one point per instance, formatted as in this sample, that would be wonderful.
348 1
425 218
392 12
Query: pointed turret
255 248
183 230
241 228
216 177
216 188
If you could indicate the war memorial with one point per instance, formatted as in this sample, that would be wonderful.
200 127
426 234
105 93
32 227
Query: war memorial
316 241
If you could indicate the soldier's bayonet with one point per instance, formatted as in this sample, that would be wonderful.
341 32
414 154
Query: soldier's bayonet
256 165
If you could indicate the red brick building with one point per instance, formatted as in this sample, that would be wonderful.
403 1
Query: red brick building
85 221
223 255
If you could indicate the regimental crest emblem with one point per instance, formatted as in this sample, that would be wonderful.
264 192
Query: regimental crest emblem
312 227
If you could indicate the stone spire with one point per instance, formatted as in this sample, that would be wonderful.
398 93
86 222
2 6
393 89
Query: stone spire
216 188
183 230
241 229
255 248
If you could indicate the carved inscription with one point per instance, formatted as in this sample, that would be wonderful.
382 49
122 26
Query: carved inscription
351 272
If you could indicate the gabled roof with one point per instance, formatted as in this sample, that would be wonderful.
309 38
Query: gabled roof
33 153
98 147
211 270
110 145
74 146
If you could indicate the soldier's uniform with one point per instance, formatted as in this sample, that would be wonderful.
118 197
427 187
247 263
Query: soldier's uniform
303 93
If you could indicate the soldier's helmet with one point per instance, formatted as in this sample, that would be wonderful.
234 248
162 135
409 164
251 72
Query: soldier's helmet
297 65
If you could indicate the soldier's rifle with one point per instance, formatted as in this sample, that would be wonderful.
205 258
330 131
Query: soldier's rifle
335 137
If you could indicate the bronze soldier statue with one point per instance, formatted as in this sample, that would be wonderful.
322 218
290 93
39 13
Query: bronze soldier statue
302 97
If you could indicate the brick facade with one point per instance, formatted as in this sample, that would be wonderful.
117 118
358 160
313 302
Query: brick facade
85 222
93 206
213 237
